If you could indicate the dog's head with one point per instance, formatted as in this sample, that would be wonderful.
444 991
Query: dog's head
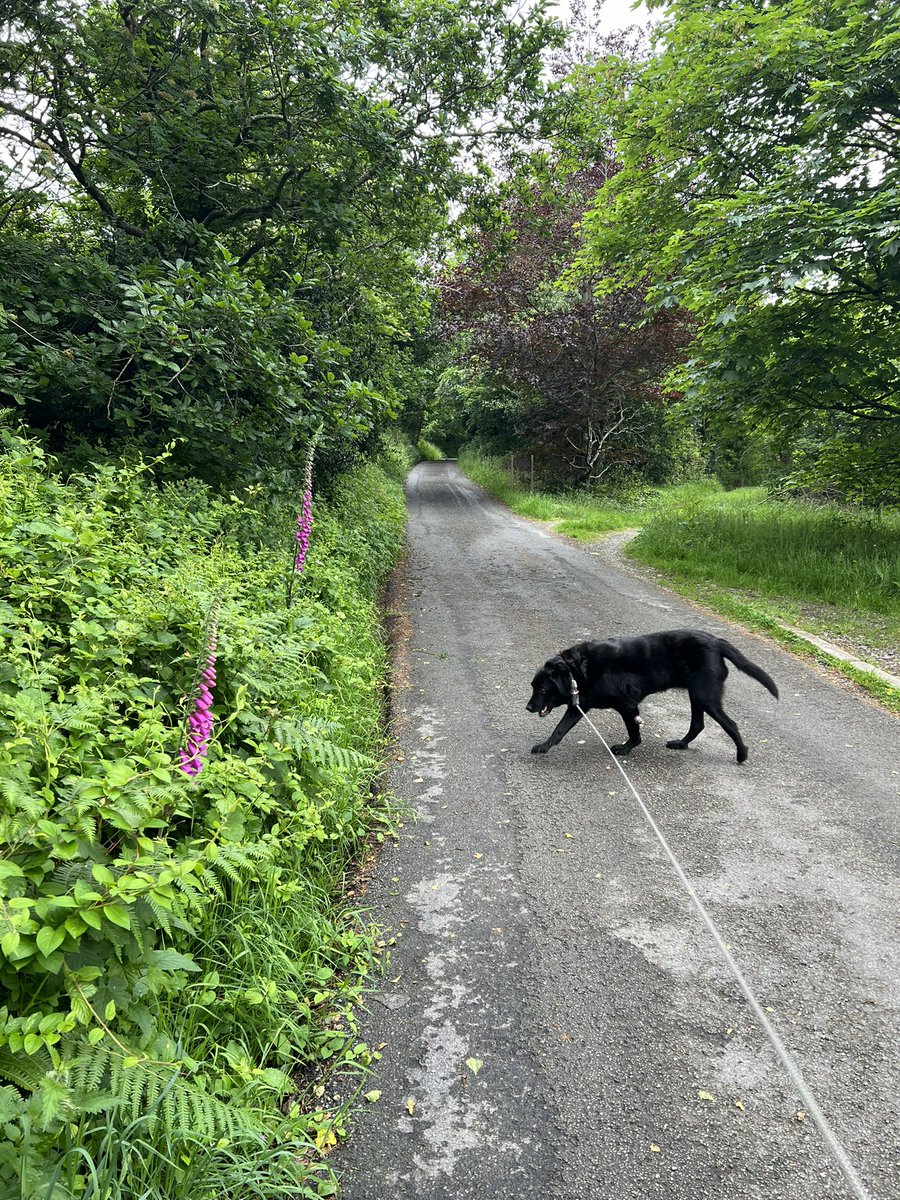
551 687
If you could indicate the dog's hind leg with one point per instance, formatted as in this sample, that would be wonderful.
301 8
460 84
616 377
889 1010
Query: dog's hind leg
632 728
719 714
695 727
569 719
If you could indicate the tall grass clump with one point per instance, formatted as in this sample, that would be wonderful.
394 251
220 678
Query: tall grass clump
176 961
819 553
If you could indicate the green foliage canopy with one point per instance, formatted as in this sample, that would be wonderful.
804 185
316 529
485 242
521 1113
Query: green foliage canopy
760 191
218 215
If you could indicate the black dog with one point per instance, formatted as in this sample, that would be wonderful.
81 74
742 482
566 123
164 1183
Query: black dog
620 672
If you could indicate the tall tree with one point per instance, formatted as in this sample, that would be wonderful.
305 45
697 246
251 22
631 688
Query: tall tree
760 190
218 210
571 377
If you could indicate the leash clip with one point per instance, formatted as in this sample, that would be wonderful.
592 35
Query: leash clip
575 698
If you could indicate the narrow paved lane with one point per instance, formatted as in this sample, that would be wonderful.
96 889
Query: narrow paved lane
541 931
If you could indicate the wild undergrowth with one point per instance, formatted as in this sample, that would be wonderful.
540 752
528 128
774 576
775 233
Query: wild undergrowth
427 451
178 967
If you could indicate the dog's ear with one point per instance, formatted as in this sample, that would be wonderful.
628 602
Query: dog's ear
574 659
558 670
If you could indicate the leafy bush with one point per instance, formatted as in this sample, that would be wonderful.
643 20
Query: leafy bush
171 949
428 452
231 368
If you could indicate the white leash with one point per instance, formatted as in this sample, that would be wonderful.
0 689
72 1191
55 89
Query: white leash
838 1153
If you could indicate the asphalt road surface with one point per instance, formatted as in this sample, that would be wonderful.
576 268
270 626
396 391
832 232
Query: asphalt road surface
542 933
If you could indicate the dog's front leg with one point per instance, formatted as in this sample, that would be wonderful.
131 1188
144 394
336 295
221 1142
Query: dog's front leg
569 719
632 720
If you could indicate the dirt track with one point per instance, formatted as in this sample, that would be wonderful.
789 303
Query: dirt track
544 934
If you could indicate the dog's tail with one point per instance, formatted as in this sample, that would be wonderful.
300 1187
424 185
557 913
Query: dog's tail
744 664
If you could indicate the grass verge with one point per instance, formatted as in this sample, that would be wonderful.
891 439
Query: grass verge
427 451
583 517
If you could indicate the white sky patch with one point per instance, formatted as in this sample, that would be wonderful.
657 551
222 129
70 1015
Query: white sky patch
612 15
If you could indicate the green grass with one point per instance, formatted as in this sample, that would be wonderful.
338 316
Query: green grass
584 517
428 452
820 554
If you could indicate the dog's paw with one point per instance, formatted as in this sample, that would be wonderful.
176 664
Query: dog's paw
622 750
742 754
677 745
540 748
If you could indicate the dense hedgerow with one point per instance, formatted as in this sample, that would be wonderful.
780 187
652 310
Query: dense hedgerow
172 948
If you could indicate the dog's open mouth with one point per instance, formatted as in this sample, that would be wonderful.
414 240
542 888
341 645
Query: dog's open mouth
544 711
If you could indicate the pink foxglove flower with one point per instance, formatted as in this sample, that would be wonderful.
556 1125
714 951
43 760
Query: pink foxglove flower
304 519
304 527
200 722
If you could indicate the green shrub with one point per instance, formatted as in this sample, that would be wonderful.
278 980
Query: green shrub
428 452
173 949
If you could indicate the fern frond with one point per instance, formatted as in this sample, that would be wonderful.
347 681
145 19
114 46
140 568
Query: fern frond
25 1070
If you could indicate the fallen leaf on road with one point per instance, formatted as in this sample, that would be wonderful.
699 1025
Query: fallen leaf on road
474 1065
800 1115
410 1106
739 1104
708 1096
373 1095
654 1149
478 856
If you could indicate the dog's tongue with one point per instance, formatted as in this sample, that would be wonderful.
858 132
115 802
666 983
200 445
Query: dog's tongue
544 712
